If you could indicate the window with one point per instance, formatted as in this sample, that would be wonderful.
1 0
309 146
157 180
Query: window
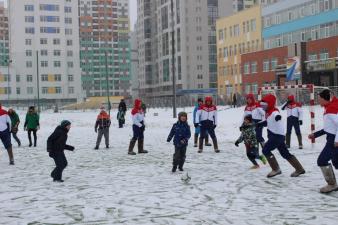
254 88
49 19
57 52
44 77
164 17
253 25
68 20
220 35
28 41
29 30
49 30
56 41
44 52
29 64
44 90
57 64
18 91
68 9
29 8
43 41
274 63
49 7
70 78
225 52
165 44
57 77
312 56
70 64
8 90
266 65
69 42
69 53
70 90
178 40
17 78
29 78
246 68
68 31
44 63
247 88
165 70
29 19
58 90
29 53
324 54
254 67
29 90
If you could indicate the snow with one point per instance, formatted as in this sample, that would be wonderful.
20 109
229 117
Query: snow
111 187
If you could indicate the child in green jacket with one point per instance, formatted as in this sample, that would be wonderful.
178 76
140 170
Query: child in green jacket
32 124
15 124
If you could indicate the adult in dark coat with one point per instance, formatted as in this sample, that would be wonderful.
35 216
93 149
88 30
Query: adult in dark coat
123 106
56 144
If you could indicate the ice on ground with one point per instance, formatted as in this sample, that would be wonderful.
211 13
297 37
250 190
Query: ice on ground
111 187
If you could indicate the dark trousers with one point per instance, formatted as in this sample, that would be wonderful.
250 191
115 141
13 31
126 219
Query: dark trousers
207 128
121 122
330 152
138 133
276 141
179 156
252 154
16 137
60 163
30 135
292 121
259 132
103 132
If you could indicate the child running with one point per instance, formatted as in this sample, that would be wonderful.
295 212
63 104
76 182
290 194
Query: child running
181 134
249 137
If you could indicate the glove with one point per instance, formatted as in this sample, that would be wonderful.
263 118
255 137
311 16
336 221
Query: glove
196 125
71 148
301 122
278 117
143 127
236 143
215 126
240 128
168 140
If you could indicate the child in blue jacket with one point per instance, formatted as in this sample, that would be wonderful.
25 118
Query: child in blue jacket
181 134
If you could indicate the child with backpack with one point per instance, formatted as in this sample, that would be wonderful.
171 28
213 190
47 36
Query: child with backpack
181 134
249 137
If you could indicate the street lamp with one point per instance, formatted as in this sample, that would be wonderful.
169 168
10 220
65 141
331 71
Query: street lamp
8 61
173 57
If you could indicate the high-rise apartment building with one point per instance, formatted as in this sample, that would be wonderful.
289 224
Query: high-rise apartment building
105 48
44 49
239 5
4 43
194 25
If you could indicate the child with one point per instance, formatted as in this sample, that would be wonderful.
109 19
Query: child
181 134
15 124
102 125
56 144
249 137
32 124
5 133
120 117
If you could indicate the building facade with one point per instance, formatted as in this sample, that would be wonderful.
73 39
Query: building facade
287 22
4 36
105 49
237 34
44 49
193 23
239 5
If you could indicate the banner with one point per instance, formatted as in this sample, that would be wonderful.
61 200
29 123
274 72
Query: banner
293 69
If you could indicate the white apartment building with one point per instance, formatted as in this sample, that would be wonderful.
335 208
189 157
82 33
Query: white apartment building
44 49
195 46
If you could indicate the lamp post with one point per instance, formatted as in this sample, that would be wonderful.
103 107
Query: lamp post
107 80
8 61
173 57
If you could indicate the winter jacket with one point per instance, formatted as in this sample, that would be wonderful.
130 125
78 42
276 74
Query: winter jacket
248 135
273 117
56 142
138 114
330 119
293 108
195 112
254 109
181 134
120 115
102 121
5 120
207 113
14 118
32 120
123 106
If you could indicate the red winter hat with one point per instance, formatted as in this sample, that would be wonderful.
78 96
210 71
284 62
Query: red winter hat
208 99
137 103
270 100
291 98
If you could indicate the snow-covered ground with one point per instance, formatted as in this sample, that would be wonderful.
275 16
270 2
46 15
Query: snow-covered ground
111 187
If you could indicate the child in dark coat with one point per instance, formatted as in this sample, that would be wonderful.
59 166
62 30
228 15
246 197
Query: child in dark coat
249 137
56 144
120 117
181 134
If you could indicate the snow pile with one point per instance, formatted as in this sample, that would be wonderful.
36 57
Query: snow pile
111 187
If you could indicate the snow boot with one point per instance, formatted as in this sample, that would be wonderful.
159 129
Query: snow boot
10 156
263 159
262 143
58 181
200 145
141 147
174 169
300 142
330 179
288 140
96 148
214 141
207 141
274 166
195 140
254 167
180 166
131 147
298 167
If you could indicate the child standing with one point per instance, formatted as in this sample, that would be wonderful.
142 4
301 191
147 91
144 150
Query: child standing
32 124
56 144
181 134
120 117
15 124
249 137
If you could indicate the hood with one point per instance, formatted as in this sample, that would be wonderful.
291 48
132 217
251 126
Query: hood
271 101
291 98
252 97
137 104
103 115
332 107
208 99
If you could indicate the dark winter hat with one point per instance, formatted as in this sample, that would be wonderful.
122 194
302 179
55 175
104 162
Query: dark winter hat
199 100
325 94
182 114
65 123
248 117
